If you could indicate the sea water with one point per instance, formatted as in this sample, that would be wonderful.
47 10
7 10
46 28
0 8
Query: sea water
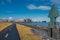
38 23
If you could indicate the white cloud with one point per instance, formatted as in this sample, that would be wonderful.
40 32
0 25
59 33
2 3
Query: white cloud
58 19
31 6
44 7
58 9
45 19
41 19
10 18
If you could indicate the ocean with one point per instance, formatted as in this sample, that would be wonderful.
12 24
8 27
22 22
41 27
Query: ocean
38 23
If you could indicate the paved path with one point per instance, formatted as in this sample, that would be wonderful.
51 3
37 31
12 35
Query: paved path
10 33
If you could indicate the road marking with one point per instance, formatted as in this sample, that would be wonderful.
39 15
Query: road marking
6 35
47 39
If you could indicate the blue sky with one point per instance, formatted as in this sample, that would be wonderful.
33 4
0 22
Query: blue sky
36 10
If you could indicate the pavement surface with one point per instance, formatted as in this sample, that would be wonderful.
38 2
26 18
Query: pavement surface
40 32
10 33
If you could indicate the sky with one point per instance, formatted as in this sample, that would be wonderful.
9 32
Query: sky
37 10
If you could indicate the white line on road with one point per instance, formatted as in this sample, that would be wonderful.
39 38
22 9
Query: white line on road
6 35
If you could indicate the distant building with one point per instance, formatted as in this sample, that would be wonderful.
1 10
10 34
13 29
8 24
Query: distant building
20 20
11 20
6 20
27 20
3 20
0 20
44 21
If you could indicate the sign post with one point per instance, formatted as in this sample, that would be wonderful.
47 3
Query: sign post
53 31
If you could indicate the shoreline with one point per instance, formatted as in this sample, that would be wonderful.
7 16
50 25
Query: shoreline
35 26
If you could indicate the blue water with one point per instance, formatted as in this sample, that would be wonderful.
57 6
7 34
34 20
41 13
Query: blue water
38 23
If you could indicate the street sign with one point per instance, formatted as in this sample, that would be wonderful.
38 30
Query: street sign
53 15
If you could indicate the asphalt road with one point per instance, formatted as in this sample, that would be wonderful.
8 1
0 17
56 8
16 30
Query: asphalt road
10 33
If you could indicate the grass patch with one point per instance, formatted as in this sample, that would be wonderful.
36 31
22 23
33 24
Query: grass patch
26 34
3 25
